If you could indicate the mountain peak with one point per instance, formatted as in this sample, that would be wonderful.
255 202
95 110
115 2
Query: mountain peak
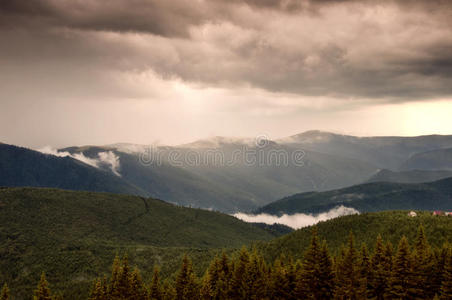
129 147
217 142
310 136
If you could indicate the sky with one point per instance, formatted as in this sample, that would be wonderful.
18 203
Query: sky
76 72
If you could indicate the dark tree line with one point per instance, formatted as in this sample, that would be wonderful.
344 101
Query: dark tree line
415 271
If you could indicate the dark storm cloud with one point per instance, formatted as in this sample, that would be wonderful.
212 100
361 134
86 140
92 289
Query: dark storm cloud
385 51
167 18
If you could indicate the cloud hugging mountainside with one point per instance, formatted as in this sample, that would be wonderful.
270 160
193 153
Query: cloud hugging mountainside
219 174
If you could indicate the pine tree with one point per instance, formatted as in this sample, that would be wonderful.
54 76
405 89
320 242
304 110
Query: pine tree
105 287
446 287
155 290
297 273
42 291
423 268
216 280
308 281
292 267
210 280
224 277
440 257
348 276
4 295
388 258
364 271
124 283
279 285
316 277
401 276
97 291
379 273
326 274
337 267
113 288
169 292
186 282
257 277
137 289
239 279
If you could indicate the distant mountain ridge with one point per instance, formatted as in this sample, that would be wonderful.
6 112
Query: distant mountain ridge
411 176
214 173
369 197
231 184
24 167
386 152
438 159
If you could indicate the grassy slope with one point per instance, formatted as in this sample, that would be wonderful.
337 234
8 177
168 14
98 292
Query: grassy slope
370 197
73 236
392 225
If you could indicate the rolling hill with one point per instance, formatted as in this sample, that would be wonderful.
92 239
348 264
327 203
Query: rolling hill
73 236
24 167
392 225
369 197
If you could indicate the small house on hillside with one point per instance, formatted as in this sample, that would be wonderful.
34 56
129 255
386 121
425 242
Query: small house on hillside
412 214
438 213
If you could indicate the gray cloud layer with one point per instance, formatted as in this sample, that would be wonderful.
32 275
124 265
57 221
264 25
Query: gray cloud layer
367 50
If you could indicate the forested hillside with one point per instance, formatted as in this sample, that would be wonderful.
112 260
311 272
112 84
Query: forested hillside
73 235
24 167
414 269
391 225
369 197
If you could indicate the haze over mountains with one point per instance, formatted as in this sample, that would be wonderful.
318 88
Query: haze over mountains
438 159
232 174
411 176
388 152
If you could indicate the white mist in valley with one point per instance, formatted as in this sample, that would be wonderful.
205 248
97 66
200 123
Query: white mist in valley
299 220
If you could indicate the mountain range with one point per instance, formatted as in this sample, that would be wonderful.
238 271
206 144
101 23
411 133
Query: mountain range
232 174
369 197
411 176
386 152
